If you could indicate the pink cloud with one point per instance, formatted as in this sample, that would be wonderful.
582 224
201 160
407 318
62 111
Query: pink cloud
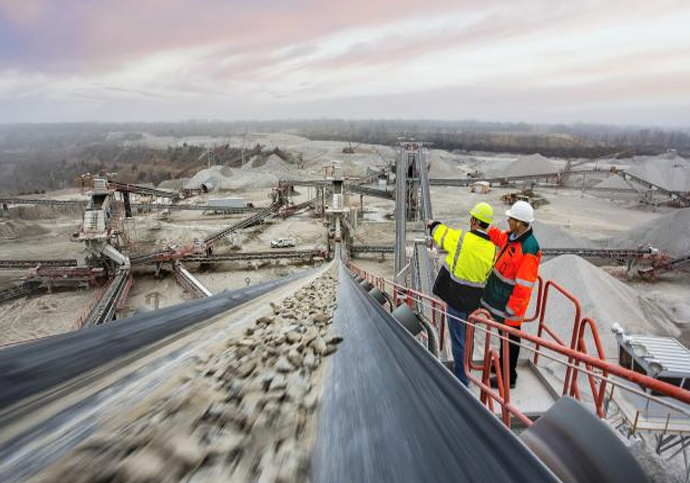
133 28
24 11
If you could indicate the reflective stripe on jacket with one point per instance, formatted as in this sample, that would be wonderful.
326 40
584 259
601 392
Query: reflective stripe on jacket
509 287
470 254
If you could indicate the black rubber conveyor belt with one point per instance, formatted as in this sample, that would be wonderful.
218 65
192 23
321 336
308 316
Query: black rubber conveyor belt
391 413
32 368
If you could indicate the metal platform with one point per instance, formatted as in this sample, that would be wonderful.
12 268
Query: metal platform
533 394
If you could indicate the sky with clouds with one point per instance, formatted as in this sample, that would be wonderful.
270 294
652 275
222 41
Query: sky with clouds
611 61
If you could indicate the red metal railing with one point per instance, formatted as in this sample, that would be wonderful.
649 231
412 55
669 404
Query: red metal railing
582 347
409 296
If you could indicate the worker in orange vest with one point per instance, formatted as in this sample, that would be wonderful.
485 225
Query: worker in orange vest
509 287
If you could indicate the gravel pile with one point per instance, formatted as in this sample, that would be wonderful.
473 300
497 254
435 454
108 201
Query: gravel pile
671 233
528 165
243 413
273 163
12 229
215 175
551 236
224 178
670 172
613 182
602 297
173 184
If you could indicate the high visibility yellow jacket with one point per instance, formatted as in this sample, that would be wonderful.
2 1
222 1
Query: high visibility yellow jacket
470 256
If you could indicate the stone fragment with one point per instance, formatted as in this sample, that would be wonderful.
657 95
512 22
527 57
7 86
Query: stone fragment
284 365
321 318
278 383
335 340
246 369
227 444
247 342
265 320
143 466
311 361
267 379
293 337
294 357
310 401
180 448
319 345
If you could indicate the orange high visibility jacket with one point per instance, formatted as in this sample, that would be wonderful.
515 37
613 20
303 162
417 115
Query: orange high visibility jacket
509 287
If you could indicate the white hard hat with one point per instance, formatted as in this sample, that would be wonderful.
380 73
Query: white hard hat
521 210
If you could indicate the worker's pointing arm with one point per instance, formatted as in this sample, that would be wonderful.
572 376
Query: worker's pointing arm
445 238
498 237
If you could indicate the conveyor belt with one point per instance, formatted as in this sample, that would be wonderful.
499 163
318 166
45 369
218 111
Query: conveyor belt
614 253
21 264
268 255
142 190
113 296
22 201
368 191
35 367
189 282
501 179
354 249
146 206
21 290
188 207
392 413
245 223
603 253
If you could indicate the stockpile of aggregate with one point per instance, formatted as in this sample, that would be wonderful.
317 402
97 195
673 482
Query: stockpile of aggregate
224 178
17 229
669 171
244 412
273 163
173 184
551 236
671 234
602 297
528 165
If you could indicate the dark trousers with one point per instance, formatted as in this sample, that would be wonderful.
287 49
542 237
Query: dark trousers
457 338
513 353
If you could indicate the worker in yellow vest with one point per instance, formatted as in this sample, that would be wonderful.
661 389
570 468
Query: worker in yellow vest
460 282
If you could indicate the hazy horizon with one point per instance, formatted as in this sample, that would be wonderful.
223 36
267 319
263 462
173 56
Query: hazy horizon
616 62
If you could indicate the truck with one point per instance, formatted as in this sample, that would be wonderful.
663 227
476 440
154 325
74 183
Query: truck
283 243
525 195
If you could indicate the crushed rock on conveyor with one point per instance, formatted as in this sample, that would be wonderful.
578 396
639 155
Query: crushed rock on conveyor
244 412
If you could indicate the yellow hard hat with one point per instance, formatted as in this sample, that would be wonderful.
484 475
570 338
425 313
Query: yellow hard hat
483 212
